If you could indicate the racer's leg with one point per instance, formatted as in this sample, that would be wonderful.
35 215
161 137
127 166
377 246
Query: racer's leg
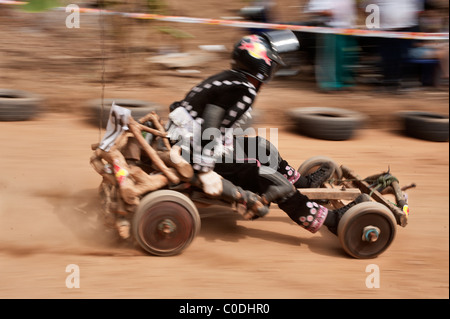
267 155
273 187
305 212
313 216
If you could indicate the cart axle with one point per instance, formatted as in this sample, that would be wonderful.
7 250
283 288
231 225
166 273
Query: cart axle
167 226
371 234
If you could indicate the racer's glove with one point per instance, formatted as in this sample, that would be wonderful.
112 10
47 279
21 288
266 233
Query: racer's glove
211 183
253 204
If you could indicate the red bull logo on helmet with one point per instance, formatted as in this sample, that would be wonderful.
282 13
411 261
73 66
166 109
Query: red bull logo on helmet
255 47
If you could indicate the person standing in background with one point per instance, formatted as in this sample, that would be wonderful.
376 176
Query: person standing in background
334 52
396 16
432 20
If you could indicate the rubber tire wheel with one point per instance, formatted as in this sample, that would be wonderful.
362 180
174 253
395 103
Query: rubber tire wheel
327 123
313 163
352 223
425 125
160 206
138 109
16 105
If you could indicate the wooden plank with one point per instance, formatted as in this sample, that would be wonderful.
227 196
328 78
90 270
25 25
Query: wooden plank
400 216
330 193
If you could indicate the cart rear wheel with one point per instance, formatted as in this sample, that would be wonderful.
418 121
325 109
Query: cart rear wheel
366 230
165 223
313 163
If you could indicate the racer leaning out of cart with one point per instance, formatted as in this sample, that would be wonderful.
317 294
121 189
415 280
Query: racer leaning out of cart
223 165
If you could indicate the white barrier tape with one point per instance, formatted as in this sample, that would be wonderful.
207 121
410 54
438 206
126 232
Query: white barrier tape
11 2
260 25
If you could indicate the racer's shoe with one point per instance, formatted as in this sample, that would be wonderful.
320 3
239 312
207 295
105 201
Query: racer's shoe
320 176
334 216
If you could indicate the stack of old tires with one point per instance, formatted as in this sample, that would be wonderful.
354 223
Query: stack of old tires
17 105
327 123
424 125
336 124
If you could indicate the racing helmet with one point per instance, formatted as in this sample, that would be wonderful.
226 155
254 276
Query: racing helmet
254 56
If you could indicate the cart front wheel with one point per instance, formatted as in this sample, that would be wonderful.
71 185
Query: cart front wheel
165 223
366 230
313 163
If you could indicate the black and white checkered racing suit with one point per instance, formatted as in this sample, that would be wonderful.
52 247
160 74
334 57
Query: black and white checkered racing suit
233 95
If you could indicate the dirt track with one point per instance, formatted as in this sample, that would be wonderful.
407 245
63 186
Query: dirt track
48 196
48 199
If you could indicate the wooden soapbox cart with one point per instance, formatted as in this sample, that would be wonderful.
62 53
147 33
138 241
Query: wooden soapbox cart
155 204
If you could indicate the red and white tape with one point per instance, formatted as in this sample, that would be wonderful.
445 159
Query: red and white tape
258 25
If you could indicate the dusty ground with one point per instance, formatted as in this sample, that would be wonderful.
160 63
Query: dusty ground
48 189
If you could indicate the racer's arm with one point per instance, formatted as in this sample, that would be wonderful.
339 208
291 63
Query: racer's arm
234 101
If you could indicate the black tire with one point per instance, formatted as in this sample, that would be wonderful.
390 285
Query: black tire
425 125
16 105
356 219
99 114
327 123
313 163
165 223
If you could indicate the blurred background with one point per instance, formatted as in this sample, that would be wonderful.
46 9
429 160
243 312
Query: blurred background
113 56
